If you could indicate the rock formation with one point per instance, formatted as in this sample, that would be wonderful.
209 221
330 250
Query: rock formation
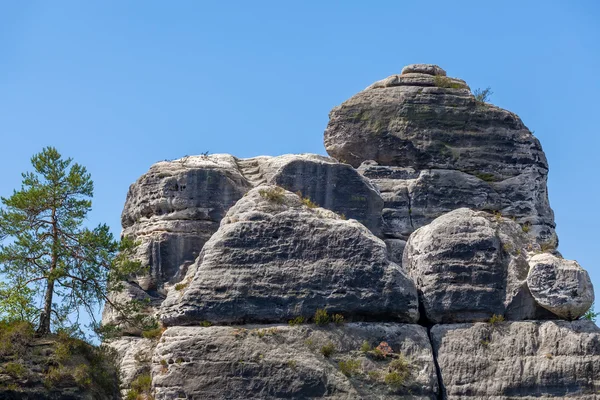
419 262
175 207
431 147
274 259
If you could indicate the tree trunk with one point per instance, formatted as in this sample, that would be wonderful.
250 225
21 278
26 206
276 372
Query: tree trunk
44 327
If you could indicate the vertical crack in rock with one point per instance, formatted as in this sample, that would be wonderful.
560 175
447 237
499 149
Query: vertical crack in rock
438 371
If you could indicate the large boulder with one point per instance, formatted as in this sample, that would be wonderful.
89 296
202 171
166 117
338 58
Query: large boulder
275 258
279 361
469 265
434 126
519 360
560 285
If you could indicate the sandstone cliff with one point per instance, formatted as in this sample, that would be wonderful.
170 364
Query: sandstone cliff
420 261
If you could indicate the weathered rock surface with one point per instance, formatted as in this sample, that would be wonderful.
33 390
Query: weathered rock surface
425 135
271 362
173 210
469 265
175 207
524 360
274 259
560 285
134 357
449 186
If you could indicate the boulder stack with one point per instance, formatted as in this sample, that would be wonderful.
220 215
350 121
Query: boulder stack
420 261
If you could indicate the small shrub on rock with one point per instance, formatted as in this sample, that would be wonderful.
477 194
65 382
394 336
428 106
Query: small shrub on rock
365 347
297 321
482 96
155 333
309 203
15 370
338 319
495 319
275 195
349 367
445 82
141 388
327 350
321 317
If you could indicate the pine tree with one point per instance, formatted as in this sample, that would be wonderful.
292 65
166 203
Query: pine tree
47 253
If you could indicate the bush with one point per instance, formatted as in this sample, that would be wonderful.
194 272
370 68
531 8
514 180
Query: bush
206 324
180 286
155 333
349 367
140 388
14 337
482 96
365 347
321 317
590 315
328 349
309 203
15 370
297 321
275 194
338 319
445 82
496 319
394 379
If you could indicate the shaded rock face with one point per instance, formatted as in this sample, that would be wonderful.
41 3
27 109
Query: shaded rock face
274 259
420 129
175 207
525 360
469 265
173 210
275 361
331 185
560 285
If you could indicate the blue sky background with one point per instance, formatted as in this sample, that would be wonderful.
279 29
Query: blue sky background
119 85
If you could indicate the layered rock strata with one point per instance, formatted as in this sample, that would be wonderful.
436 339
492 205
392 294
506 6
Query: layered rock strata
524 360
274 258
175 207
431 146
466 297
279 361
470 265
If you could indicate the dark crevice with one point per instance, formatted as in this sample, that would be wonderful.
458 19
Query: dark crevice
441 390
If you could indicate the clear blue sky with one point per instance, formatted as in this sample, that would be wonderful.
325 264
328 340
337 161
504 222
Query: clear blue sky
119 85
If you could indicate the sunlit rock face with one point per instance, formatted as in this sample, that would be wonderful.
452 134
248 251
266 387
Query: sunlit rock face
431 146
427 237
274 259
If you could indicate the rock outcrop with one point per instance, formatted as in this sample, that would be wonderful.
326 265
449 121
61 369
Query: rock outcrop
274 258
431 146
421 265
525 360
275 361
175 207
